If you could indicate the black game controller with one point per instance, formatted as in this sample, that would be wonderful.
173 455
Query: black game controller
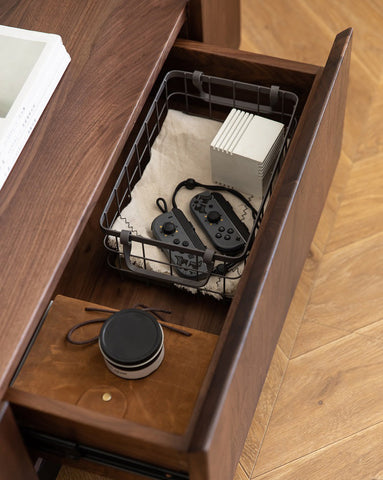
173 228
217 218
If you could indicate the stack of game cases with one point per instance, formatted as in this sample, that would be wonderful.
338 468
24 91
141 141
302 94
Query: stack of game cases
244 150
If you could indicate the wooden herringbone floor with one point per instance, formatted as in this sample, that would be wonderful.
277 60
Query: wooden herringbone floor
320 416
321 412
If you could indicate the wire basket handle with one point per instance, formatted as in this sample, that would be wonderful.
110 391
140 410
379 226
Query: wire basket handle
198 78
207 257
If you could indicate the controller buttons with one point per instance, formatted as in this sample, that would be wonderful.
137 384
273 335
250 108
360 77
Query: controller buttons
218 235
227 237
238 239
230 230
200 208
176 241
213 216
222 229
168 228
185 243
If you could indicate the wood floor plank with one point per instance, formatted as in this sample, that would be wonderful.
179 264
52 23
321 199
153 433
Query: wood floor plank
299 30
366 17
361 212
327 394
240 473
374 331
372 139
333 202
346 278
286 29
360 97
354 458
313 335
349 284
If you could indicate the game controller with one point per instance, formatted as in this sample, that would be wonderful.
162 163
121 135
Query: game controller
174 228
217 218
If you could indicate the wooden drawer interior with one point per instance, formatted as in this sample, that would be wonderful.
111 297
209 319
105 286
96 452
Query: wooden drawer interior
172 445
163 401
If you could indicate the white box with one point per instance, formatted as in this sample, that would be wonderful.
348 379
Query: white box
244 150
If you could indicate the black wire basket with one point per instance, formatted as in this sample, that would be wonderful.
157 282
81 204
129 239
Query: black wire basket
208 97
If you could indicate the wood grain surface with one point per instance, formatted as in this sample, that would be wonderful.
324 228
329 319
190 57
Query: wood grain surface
164 400
277 272
216 22
327 404
117 49
348 459
361 209
349 248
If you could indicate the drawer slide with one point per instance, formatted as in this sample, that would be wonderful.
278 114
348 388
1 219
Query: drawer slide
61 448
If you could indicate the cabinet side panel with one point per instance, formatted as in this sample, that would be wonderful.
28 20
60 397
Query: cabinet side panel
275 265
215 21
15 463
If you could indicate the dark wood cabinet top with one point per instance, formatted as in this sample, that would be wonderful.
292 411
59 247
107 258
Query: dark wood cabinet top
117 49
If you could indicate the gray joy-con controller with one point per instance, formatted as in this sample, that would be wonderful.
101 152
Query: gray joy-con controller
217 218
174 228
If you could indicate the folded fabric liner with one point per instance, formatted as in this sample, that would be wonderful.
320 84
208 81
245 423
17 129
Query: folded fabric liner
180 151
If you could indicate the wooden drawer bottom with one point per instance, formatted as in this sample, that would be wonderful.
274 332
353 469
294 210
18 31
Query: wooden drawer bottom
77 374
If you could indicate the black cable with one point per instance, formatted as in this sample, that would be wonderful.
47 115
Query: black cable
190 183
155 311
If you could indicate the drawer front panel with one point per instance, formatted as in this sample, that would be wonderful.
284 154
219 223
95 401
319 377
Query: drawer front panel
274 268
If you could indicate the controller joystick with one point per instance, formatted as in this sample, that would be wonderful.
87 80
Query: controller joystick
168 228
217 218
213 216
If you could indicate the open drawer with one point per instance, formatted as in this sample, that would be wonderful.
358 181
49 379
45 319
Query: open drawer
209 444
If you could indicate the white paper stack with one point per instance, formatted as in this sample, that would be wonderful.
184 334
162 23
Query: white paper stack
244 150
31 66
